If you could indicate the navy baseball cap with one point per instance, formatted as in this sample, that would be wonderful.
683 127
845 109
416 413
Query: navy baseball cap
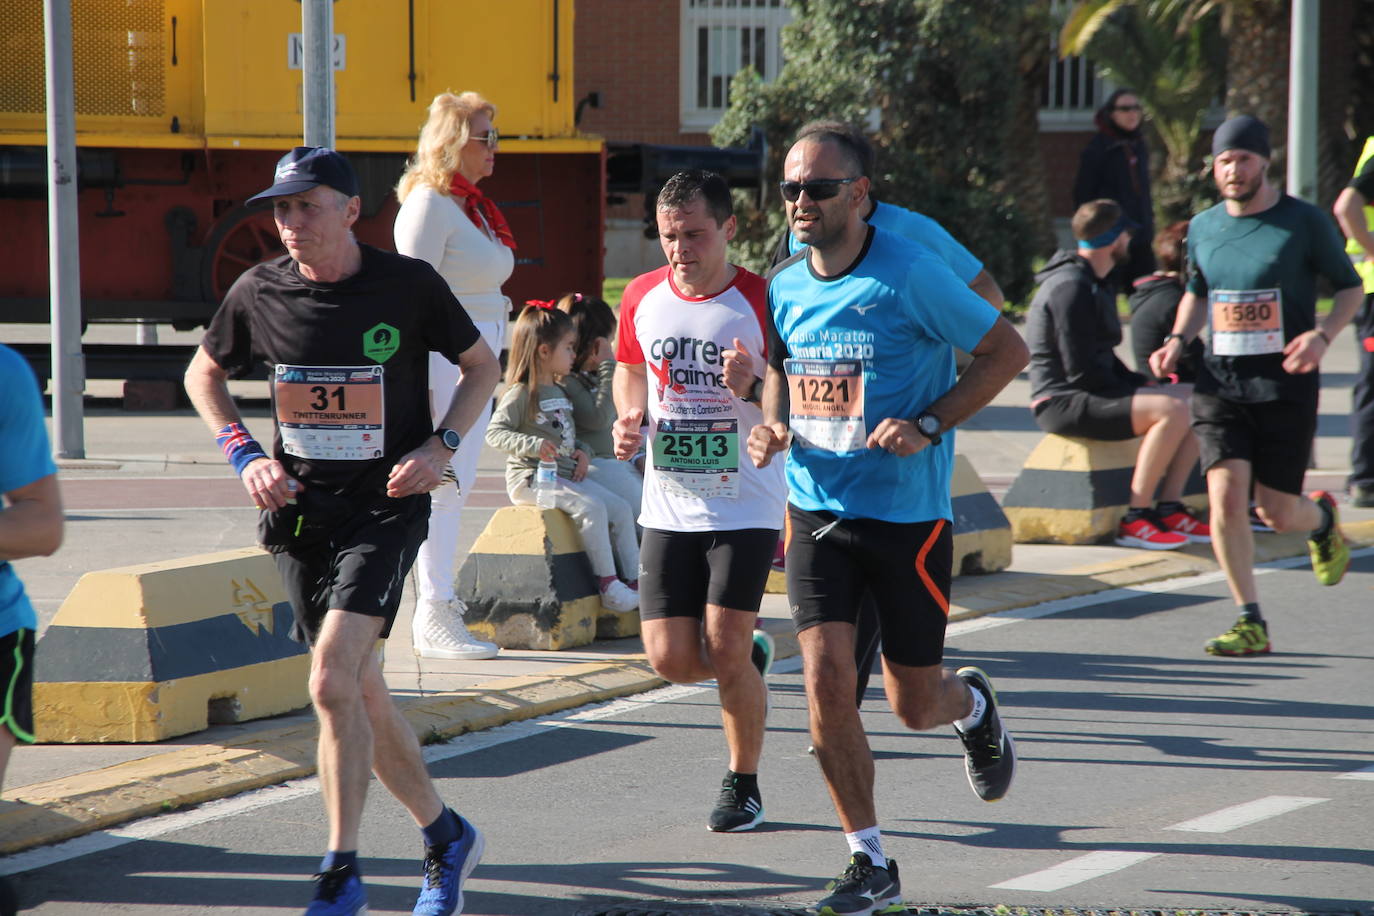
306 167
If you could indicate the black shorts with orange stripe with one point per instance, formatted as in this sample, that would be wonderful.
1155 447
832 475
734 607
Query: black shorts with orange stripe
906 567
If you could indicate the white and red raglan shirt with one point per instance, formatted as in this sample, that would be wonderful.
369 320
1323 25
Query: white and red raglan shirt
697 471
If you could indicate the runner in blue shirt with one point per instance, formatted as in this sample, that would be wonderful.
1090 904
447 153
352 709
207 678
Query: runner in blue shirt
861 385
30 526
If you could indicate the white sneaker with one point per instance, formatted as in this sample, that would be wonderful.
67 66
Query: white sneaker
437 631
619 597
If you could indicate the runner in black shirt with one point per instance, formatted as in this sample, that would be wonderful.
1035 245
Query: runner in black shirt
346 330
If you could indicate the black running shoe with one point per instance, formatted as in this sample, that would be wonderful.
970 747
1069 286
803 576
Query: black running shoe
737 808
863 888
9 901
989 752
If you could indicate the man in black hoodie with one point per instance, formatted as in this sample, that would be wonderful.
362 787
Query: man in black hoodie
1080 388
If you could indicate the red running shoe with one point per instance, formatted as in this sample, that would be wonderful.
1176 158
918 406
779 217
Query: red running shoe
1178 518
1144 530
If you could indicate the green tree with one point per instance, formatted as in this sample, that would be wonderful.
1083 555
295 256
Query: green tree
938 85
1172 55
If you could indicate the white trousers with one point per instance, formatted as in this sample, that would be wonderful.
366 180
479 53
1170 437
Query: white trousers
435 564
621 478
604 520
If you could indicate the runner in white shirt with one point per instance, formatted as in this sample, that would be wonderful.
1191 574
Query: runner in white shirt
691 357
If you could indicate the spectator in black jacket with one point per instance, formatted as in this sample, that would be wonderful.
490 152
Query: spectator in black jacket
1154 302
1080 388
1115 165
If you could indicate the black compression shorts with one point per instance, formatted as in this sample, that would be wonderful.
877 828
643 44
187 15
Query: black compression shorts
906 567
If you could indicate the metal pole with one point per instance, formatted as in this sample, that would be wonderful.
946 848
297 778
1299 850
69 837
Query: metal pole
64 262
1302 100
317 68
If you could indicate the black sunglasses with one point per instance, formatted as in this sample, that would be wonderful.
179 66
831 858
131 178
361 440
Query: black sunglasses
491 138
816 189
1126 108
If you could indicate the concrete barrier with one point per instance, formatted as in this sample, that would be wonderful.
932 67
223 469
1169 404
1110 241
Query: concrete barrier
145 653
1075 491
982 532
528 584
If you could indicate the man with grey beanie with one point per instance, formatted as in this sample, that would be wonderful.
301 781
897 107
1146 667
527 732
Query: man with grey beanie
1253 264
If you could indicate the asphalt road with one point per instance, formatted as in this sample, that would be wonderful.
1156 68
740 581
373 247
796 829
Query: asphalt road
1152 776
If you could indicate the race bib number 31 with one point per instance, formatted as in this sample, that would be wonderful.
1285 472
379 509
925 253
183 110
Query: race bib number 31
697 458
330 413
1246 322
827 409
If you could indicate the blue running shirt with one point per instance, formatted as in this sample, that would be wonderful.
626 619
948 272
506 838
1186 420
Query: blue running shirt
874 342
921 229
26 458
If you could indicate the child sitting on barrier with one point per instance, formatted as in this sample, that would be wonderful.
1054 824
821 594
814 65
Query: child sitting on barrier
588 386
534 422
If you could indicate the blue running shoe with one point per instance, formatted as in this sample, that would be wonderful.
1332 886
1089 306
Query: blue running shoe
338 892
446 868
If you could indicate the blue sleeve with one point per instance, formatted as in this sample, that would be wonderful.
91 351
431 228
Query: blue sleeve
27 456
945 307
960 260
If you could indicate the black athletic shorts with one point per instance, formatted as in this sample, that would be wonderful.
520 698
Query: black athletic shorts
1274 436
1086 416
361 567
16 684
905 567
680 572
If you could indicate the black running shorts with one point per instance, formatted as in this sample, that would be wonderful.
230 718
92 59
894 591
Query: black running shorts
1086 416
361 567
1274 436
905 567
680 572
16 684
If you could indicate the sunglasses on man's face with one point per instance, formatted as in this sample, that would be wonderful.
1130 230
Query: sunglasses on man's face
491 138
816 189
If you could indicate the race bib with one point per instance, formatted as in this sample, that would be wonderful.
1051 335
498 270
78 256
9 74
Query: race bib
1246 322
827 410
330 413
697 458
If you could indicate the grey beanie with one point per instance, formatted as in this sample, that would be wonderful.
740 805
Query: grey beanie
1242 132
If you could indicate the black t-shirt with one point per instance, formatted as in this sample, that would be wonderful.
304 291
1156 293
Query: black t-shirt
1154 305
1364 181
348 362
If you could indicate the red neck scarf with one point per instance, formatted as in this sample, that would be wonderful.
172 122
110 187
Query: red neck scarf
475 202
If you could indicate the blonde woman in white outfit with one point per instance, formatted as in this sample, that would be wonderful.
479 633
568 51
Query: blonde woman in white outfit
446 221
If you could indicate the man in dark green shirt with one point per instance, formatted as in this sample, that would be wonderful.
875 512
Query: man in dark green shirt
1254 263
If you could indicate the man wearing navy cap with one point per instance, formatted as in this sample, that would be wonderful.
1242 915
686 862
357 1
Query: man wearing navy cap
1254 261
345 331
1080 388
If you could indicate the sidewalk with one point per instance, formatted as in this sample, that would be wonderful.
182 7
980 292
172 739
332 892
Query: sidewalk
53 792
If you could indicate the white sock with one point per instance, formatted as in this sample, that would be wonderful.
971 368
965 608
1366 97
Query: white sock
870 842
980 706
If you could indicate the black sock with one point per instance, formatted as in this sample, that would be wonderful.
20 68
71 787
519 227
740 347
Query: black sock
1135 512
1328 519
1251 612
745 781
1164 507
336 859
445 829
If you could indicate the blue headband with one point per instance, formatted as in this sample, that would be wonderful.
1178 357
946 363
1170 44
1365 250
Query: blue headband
1106 238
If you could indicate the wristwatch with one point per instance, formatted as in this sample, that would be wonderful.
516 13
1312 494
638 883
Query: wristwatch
929 425
449 437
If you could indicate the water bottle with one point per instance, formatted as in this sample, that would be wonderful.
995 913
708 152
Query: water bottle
546 485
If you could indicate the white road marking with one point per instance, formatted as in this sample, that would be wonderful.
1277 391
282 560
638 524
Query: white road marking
1075 871
1236 816
1366 773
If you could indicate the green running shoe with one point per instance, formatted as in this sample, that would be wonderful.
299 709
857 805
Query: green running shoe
1330 553
1245 638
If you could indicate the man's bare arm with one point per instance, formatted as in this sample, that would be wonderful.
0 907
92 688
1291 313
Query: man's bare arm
31 522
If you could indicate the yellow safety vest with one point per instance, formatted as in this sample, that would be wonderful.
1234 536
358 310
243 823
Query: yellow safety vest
1363 260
